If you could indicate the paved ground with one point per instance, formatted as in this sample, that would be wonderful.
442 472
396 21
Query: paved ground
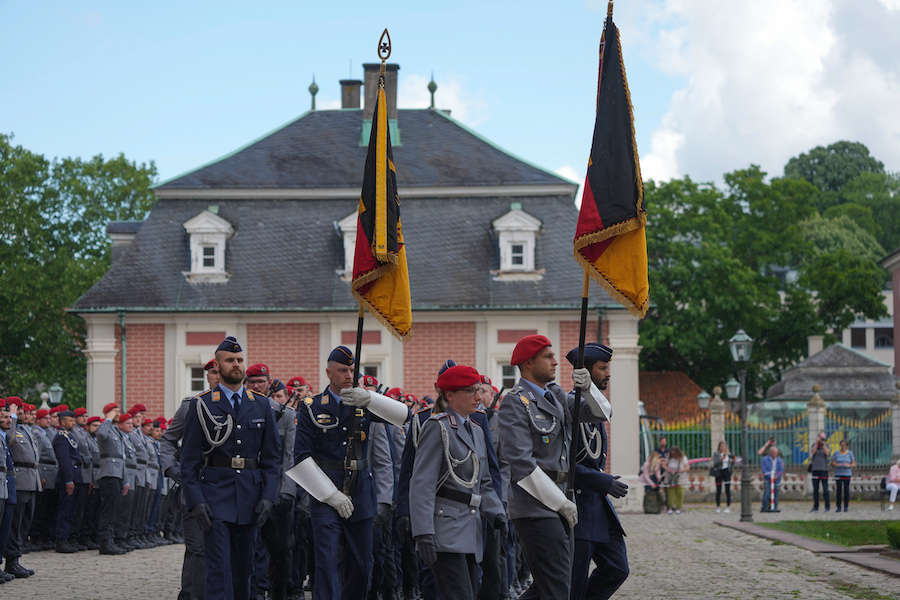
672 556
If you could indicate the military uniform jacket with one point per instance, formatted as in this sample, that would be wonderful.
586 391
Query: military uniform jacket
152 448
94 453
48 465
381 461
286 421
323 424
65 447
169 450
26 457
111 444
136 437
84 451
131 466
536 432
597 519
446 443
231 493
6 467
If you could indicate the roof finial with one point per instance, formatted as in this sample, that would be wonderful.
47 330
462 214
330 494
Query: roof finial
432 88
313 90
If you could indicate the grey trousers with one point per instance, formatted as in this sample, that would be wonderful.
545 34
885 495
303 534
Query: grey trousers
548 546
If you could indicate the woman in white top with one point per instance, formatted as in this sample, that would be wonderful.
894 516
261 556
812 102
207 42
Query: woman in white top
721 470
893 483
675 467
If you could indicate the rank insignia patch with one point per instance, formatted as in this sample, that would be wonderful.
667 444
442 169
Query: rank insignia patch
524 399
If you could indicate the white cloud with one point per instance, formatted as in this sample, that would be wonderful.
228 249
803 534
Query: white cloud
571 173
466 106
768 79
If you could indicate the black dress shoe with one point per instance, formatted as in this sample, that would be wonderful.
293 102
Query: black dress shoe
17 570
66 547
112 550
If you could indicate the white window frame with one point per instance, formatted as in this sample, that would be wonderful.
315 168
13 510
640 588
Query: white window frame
208 230
189 376
517 228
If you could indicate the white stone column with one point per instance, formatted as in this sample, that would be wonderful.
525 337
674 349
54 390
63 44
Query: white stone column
100 351
716 420
895 426
625 453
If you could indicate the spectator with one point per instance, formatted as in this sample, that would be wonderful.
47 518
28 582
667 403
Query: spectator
652 473
663 448
893 482
721 470
842 461
764 451
675 466
818 459
772 468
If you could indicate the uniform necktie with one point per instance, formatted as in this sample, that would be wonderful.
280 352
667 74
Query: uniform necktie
236 401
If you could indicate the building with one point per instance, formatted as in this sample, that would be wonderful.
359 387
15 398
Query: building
258 244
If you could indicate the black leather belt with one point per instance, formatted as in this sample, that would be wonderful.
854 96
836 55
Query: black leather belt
557 476
232 462
338 465
48 463
466 498
142 462
25 465
2 468
110 456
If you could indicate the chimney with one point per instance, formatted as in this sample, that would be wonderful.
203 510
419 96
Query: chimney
815 344
121 235
371 71
350 93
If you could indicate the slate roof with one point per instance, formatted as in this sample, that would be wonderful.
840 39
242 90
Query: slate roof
669 395
841 373
321 149
285 255
123 226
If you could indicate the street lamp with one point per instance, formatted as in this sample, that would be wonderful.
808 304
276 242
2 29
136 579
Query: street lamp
741 346
55 393
703 399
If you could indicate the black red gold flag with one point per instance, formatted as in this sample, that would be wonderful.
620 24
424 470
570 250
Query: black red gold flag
610 239
380 275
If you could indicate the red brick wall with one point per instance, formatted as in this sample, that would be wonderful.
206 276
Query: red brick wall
427 349
288 349
145 347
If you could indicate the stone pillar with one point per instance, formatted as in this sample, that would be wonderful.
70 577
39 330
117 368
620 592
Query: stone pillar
816 408
101 353
625 453
716 420
895 425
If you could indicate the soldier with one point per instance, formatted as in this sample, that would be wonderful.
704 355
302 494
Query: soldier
139 491
331 450
113 481
454 490
82 487
230 467
7 482
25 453
126 506
535 421
44 428
148 531
193 566
65 446
89 537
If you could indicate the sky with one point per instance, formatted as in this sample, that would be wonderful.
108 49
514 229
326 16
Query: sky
716 86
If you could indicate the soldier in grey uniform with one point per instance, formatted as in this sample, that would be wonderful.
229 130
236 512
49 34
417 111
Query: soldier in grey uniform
453 488
126 506
25 453
113 478
43 525
148 533
381 458
88 536
82 488
535 437
139 490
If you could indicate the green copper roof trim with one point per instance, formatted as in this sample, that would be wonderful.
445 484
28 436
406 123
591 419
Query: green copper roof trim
267 309
367 130
233 152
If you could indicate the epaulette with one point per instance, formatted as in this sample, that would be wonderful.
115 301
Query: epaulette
308 400
422 409
439 416
481 410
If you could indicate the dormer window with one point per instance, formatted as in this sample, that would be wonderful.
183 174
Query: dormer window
517 233
208 234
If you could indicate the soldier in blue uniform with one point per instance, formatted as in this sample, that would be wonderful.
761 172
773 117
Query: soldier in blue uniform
331 452
65 446
599 535
7 481
230 468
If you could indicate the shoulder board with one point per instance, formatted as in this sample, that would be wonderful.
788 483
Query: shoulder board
250 395
203 393
524 399
422 409
216 395
475 423
481 410
439 416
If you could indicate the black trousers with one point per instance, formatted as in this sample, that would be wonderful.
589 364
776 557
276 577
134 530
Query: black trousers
492 564
138 516
124 511
842 491
21 524
548 546
90 523
384 573
229 553
820 478
110 494
6 515
193 567
277 535
456 576
43 524
611 559
65 514
723 478
303 556
82 490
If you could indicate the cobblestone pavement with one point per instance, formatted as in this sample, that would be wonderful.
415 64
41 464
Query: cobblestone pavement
671 556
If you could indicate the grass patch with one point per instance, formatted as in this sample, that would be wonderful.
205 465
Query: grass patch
844 533
851 590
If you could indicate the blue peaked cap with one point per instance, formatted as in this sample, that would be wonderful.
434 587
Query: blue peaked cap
230 344
342 355
593 352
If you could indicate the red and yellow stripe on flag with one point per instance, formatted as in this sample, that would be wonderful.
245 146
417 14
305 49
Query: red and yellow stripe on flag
610 239
380 275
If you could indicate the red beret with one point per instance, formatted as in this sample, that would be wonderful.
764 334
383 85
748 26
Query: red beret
527 347
94 419
55 410
487 380
163 426
137 408
14 400
2 402
28 407
80 411
210 364
109 407
147 422
411 398
296 381
458 377
258 370
369 380
395 393
40 414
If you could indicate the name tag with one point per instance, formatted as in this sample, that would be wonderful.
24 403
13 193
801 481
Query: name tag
255 421
324 419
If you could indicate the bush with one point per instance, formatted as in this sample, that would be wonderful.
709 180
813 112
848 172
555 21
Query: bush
893 534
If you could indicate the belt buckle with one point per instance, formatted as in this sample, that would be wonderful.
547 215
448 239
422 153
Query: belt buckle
237 462
475 501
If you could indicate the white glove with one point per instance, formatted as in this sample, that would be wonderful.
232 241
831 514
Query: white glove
356 396
582 378
545 491
341 503
569 512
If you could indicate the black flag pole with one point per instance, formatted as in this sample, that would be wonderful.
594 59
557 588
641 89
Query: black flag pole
579 364
356 355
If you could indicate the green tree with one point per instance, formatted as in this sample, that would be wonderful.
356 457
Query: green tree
880 194
53 216
830 167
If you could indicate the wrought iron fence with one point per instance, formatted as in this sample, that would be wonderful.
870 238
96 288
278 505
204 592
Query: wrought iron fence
690 435
790 436
869 439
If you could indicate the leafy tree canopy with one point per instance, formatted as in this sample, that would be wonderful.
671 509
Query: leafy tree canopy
53 247
830 167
